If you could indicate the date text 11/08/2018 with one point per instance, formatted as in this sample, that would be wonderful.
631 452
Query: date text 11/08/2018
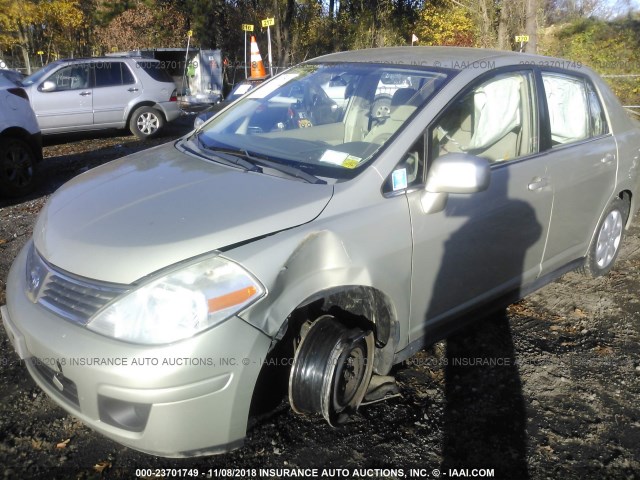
363 473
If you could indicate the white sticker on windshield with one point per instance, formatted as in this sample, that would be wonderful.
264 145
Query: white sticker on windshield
343 159
334 156
272 85
399 179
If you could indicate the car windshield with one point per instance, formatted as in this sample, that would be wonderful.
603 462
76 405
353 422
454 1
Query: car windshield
328 120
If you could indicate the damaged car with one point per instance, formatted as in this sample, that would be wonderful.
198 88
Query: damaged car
309 245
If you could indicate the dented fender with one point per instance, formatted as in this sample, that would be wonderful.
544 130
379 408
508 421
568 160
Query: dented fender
317 263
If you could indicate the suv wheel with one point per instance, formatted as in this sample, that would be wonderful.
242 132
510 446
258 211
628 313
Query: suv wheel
17 167
146 122
331 370
606 243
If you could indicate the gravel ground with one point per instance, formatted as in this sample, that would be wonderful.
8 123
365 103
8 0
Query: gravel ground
547 389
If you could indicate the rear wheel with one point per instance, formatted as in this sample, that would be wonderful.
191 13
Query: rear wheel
146 122
17 167
331 370
605 245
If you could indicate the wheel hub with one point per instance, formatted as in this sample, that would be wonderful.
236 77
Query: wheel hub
147 123
331 370
609 239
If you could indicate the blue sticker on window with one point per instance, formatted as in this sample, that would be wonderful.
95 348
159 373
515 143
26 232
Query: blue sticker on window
399 179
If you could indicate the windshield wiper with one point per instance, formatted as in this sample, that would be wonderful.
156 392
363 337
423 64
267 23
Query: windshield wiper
228 158
290 170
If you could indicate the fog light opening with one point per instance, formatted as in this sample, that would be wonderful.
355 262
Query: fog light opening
126 415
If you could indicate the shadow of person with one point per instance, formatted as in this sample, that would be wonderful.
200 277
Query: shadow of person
485 260
485 415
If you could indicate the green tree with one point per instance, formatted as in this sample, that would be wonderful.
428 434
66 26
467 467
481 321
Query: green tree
445 23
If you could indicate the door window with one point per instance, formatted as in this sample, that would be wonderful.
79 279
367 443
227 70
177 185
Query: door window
495 120
575 111
72 77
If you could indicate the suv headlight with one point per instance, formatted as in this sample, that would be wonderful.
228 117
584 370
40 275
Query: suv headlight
179 304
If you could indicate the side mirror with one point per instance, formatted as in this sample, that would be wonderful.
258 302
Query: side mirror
48 86
458 173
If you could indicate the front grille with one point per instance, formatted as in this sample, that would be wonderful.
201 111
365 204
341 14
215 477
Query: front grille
71 297
57 381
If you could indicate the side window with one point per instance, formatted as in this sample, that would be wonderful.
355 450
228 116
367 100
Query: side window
496 120
597 117
410 171
575 111
72 77
110 74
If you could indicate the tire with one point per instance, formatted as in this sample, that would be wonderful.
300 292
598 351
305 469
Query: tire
331 370
146 122
18 165
606 242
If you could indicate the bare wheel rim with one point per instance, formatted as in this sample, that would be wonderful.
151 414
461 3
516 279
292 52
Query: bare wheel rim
609 239
147 123
17 168
331 370
350 373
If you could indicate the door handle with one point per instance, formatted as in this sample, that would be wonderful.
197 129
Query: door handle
538 183
608 158
132 89
84 94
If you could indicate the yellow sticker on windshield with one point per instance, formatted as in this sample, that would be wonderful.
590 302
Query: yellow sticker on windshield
351 162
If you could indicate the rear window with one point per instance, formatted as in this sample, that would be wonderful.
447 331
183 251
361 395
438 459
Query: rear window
155 71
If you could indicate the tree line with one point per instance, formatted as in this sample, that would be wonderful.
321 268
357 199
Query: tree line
35 32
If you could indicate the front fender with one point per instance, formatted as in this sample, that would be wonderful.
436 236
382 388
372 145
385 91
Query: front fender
319 262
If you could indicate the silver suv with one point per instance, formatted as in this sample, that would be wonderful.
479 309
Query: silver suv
20 141
103 92
161 293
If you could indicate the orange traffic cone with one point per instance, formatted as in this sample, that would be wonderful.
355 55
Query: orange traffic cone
257 67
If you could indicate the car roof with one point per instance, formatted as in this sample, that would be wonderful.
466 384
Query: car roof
106 59
456 58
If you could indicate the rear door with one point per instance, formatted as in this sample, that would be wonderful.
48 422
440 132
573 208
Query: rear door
582 162
116 87
70 104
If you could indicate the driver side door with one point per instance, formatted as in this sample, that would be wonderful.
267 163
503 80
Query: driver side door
69 104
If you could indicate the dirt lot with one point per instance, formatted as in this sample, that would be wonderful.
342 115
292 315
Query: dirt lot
550 389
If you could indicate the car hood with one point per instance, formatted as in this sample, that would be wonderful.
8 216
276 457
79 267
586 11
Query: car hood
131 217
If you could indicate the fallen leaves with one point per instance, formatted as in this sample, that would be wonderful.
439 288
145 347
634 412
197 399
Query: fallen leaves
63 444
102 466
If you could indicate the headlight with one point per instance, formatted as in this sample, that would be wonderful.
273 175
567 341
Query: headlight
179 304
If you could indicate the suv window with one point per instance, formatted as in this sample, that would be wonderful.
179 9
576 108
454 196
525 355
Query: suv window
495 120
71 77
155 71
575 111
110 74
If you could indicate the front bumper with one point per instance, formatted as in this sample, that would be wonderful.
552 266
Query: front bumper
185 399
